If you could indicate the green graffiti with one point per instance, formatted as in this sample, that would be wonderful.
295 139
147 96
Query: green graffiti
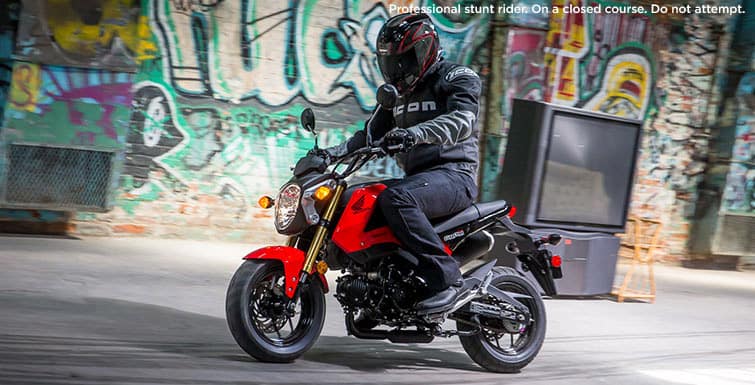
215 117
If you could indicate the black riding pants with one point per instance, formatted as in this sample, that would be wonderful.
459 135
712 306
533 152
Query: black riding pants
408 206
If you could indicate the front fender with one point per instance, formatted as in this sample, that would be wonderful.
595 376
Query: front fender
293 263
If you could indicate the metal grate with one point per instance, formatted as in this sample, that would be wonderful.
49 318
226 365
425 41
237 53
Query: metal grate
736 235
55 177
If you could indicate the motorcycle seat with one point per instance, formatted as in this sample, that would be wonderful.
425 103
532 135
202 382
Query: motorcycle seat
471 213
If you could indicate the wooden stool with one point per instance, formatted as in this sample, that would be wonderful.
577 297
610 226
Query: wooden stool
640 244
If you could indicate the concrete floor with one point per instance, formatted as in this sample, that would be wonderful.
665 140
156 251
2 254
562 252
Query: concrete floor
137 311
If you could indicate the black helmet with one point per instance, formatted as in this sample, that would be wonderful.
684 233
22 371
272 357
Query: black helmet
407 46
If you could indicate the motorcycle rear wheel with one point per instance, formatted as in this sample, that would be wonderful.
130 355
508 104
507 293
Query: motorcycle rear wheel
263 321
486 347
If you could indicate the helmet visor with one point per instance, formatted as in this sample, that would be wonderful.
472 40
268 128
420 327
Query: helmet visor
399 68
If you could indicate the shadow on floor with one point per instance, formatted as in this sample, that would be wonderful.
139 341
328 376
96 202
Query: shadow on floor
113 328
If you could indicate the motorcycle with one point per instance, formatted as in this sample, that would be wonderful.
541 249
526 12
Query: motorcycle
275 303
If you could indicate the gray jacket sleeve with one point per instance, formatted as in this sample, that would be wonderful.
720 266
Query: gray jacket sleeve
462 87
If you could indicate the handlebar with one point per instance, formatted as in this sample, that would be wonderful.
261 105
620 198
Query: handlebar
358 159
376 149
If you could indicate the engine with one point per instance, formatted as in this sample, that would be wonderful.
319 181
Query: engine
387 295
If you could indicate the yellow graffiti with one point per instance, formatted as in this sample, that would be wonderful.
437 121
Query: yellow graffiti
626 87
567 42
147 48
85 30
24 89
627 80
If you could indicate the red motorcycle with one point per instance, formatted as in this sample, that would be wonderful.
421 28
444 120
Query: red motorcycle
275 304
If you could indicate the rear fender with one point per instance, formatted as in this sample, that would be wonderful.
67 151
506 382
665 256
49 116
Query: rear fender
293 263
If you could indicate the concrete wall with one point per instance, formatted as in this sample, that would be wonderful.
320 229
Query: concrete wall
725 212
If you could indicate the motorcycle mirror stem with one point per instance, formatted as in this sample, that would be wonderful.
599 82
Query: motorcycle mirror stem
387 95
368 126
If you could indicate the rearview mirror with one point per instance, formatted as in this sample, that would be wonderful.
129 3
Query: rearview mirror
387 96
308 120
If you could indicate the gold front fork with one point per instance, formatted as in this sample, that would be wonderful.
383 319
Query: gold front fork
327 216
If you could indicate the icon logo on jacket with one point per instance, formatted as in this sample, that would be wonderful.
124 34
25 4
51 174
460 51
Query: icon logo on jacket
414 107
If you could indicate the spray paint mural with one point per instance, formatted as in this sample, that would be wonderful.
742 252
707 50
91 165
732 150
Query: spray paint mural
600 62
94 105
216 115
105 34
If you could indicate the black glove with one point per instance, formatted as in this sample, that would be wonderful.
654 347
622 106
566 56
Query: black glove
398 137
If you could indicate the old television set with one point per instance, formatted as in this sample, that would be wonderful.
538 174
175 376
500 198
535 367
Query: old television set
567 168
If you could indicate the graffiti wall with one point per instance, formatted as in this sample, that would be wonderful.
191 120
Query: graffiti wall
203 97
628 65
600 62
215 113
67 106
525 70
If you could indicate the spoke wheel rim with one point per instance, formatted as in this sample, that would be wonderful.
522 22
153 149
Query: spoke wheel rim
512 344
273 316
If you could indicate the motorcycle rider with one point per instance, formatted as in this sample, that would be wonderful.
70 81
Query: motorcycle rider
435 119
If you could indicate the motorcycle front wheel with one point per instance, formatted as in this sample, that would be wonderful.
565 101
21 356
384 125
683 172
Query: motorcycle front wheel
510 347
262 319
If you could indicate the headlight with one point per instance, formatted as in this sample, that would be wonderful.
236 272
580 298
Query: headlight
288 203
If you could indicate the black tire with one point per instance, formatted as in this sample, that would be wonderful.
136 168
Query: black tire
242 313
491 356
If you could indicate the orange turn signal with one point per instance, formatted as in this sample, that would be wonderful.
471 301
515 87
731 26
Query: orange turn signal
322 193
266 202
322 267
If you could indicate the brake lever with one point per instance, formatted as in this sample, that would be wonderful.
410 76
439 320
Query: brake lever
390 149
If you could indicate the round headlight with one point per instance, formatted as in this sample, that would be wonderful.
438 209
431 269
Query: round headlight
288 203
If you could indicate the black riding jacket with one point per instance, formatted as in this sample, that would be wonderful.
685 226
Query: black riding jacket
442 112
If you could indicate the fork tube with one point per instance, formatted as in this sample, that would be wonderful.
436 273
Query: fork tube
314 247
